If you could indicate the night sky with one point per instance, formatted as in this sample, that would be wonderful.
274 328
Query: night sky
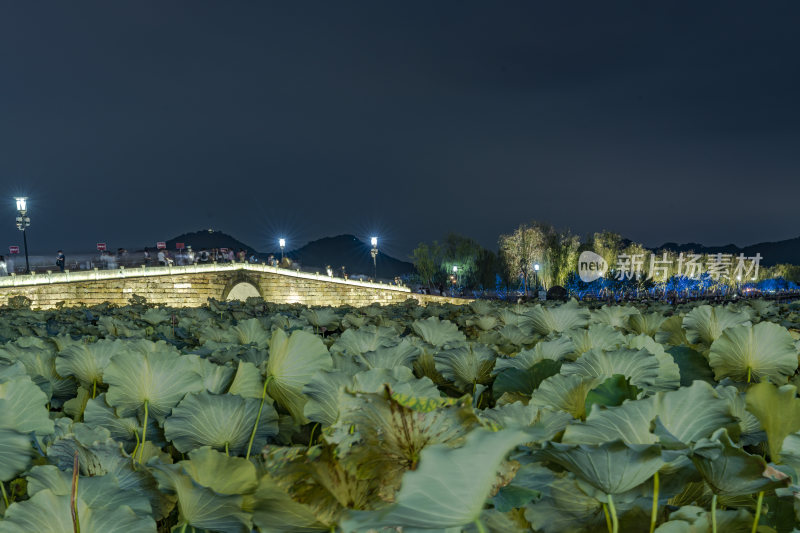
131 122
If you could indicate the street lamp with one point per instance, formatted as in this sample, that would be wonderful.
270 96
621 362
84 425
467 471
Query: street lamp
374 254
282 244
536 276
22 223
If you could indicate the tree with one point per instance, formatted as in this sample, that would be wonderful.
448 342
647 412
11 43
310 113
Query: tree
522 249
426 260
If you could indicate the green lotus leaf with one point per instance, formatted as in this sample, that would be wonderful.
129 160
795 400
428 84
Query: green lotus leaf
47 512
639 366
449 487
247 381
687 415
439 333
402 354
158 378
546 320
729 470
705 324
600 336
754 353
216 378
15 453
554 350
353 321
516 336
671 332
201 507
567 393
86 362
519 415
251 331
510 318
221 421
612 392
322 318
693 366
515 380
483 322
645 323
155 317
23 406
220 473
750 430
40 364
612 467
669 373
778 410
466 365
616 316
324 393
274 511
567 504
124 429
292 363
692 519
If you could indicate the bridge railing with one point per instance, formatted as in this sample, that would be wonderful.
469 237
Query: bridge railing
15 280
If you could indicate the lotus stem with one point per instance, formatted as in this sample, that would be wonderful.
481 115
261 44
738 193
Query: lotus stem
608 517
144 433
226 450
748 374
94 388
5 496
480 526
311 439
613 511
654 512
76 524
258 417
714 513
758 512
183 528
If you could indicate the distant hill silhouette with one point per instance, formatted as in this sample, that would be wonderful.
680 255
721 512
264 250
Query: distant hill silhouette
208 239
350 252
773 253
343 250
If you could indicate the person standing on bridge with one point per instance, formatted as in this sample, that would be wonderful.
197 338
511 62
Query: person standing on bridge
3 266
60 260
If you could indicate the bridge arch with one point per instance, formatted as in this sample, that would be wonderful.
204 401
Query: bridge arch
241 286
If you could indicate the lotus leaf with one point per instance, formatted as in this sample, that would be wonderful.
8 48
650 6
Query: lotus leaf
778 410
466 365
745 353
221 421
450 486
292 363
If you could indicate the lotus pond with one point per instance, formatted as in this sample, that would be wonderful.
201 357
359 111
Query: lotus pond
240 417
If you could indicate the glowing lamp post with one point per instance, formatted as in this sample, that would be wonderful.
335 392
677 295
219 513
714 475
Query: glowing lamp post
536 275
374 254
22 223
282 244
455 274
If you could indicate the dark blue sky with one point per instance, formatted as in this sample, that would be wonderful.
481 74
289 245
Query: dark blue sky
131 122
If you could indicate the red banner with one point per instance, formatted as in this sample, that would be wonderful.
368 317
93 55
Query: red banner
179 246
13 249
161 245
101 247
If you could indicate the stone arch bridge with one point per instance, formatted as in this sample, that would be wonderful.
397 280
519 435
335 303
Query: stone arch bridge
193 285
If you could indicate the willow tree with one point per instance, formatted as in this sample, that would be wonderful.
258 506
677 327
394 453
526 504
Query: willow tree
523 248
426 260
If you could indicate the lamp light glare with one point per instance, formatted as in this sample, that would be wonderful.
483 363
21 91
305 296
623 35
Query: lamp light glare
22 203
536 267
282 242
374 241
455 268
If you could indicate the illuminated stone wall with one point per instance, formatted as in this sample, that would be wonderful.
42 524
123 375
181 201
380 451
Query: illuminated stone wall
192 286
